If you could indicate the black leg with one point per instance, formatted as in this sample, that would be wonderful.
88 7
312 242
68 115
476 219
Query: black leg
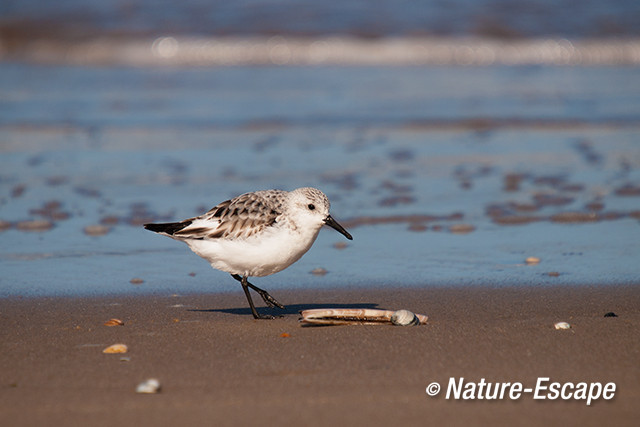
243 282
268 299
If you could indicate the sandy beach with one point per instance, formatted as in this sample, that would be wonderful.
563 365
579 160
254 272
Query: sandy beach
485 160
219 366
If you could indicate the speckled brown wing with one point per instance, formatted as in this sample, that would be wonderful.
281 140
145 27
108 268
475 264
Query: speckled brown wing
242 216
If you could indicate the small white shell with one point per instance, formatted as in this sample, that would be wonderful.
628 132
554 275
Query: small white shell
404 318
149 386
562 325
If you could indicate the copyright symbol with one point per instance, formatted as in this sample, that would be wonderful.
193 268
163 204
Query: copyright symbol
433 389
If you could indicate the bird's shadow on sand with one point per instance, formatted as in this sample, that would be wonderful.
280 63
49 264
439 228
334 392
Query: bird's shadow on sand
289 309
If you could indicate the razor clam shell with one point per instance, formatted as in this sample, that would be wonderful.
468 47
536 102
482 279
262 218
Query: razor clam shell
350 316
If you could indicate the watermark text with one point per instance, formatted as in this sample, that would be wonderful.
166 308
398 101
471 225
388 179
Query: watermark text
545 389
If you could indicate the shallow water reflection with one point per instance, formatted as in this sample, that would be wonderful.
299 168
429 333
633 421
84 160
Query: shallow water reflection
428 203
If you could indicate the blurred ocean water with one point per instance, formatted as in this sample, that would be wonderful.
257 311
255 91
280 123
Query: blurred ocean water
362 18
443 176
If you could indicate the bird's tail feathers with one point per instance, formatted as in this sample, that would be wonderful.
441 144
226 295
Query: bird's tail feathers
168 227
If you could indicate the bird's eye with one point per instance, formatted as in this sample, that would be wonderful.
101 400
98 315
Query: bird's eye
311 206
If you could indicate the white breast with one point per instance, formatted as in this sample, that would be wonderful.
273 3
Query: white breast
262 254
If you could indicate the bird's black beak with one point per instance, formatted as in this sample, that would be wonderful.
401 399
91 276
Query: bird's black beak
340 229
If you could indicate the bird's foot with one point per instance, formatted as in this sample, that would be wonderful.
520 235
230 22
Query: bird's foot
269 300
265 316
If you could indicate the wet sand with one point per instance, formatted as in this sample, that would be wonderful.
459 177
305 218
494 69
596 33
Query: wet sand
218 366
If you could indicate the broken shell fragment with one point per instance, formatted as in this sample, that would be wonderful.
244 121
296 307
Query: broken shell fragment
114 322
404 318
96 230
35 225
319 271
116 348
461 228
361 316
562 325
149 386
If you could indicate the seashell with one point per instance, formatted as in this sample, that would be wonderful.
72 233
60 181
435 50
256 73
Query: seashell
150 386
404 318
340 245
532 260
319 271
96 230
136 281
116 348
35 225
114 322
352 316
461 228
562 325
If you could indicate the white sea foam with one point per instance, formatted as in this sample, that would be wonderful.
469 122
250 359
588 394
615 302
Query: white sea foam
279 50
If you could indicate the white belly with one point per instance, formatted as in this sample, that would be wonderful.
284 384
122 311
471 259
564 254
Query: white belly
259 255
